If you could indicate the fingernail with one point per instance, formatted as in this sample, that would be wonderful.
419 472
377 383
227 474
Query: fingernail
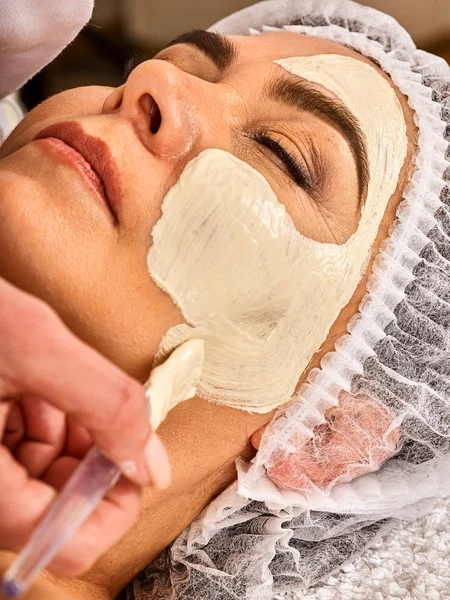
158 462
128 468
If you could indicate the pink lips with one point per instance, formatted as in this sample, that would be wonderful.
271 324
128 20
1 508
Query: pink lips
90 157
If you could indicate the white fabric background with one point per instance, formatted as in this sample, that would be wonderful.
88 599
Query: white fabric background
410 562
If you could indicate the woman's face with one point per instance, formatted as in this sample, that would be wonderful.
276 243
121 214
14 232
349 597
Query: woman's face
60 242
57 239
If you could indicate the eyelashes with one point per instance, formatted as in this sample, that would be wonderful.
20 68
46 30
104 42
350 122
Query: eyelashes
132 63
294 170
135 61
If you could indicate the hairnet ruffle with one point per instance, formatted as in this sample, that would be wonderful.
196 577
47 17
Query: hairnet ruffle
256 539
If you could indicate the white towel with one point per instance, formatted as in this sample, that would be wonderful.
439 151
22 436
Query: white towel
33 33
410 562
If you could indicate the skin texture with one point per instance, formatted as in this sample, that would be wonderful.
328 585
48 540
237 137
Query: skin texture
122 313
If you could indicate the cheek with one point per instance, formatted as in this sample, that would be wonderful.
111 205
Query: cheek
45 246
71 262
78 102
97 283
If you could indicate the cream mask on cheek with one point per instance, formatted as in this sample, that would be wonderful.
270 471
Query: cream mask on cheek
261 295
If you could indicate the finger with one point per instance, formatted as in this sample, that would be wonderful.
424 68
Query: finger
44 422
5 407
23 501
35 457
79 381
108 523
15 427
78 440
45 427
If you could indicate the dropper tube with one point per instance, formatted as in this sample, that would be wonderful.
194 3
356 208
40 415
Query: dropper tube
93 477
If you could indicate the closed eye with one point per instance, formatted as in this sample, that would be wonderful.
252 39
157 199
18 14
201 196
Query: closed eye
292 168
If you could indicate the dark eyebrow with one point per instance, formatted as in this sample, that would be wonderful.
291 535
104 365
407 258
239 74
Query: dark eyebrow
301 95
216 46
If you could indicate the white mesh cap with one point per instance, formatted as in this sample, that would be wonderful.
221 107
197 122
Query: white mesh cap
270 533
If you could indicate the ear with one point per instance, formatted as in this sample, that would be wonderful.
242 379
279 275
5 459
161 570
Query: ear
257 436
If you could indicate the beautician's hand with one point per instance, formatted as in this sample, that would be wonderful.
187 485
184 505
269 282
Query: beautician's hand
57 397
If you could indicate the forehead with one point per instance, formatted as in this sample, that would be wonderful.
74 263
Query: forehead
261 50
283 44
270 46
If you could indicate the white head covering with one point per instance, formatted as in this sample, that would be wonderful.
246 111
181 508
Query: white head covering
256 539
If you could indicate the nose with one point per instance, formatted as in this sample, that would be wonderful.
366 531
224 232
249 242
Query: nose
165 106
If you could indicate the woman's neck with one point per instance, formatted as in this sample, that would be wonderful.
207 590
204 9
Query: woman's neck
163 517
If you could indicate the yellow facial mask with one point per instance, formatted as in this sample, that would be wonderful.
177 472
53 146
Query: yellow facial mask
261 295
